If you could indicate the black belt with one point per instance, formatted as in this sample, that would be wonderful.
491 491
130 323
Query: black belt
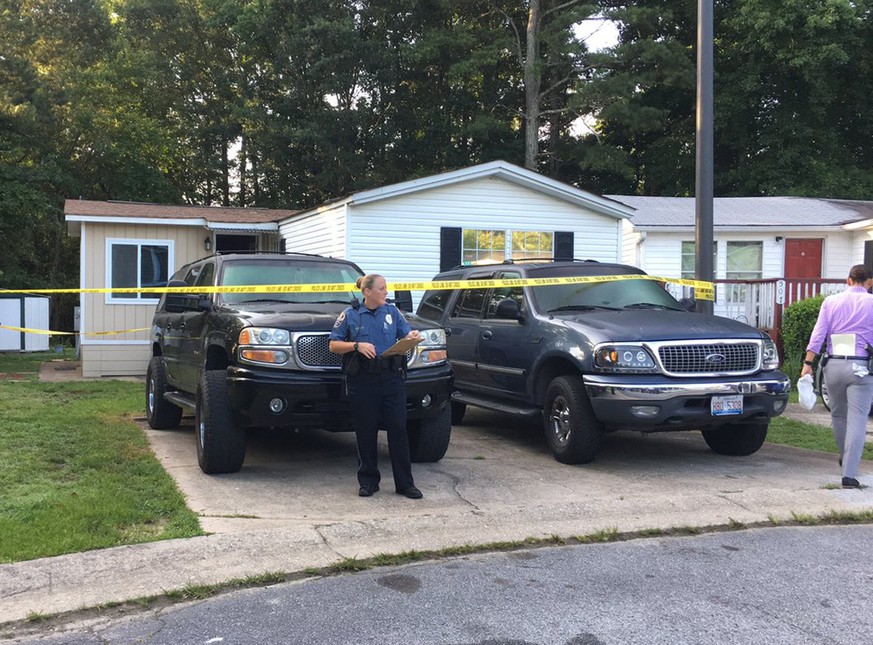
847 358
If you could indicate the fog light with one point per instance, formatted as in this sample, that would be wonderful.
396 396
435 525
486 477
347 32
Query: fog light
645 411
277 405
779 405
426 401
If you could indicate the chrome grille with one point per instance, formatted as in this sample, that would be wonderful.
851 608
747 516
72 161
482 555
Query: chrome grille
721 358
312 351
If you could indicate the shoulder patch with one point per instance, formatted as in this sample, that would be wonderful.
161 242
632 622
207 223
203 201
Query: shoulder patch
339 321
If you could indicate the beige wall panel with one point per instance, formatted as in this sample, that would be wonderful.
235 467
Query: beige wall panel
119 360
105 359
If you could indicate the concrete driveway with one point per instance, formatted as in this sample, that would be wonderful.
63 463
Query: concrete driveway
499 482
294 505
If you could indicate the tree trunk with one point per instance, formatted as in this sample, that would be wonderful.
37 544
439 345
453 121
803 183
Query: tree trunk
532 81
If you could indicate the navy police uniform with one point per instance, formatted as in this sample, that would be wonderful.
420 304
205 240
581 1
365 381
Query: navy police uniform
376 390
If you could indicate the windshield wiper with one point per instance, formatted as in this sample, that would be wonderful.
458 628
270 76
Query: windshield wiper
582 308
650 305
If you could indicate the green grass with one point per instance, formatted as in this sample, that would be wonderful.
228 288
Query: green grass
789 432
76 473
27 364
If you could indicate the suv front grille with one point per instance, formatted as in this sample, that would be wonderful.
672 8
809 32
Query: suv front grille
709 358
313 352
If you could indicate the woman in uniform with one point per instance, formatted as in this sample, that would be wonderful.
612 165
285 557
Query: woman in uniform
376 385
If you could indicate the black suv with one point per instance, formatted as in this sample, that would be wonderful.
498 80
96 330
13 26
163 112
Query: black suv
597 356
240 359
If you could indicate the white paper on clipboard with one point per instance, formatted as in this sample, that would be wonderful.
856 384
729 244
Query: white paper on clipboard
843 344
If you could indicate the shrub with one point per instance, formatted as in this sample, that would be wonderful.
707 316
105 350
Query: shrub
797 323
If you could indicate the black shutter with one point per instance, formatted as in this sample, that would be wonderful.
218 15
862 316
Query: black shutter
450 248
564 245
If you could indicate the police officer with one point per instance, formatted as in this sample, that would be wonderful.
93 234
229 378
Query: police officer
376 387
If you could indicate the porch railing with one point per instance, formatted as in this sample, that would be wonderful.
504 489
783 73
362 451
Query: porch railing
760 303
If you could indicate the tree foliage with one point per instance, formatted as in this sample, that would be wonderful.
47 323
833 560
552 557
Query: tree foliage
288 103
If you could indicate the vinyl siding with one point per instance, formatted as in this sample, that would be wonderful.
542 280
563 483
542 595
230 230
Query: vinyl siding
400 237
322 232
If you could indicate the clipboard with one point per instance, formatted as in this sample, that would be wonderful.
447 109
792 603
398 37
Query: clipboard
401 346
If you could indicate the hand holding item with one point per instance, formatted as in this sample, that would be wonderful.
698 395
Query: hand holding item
806 394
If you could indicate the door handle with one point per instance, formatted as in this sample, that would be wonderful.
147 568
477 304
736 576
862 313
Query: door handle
487 334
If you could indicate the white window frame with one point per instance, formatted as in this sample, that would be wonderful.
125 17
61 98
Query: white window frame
737 292
507 239
140 298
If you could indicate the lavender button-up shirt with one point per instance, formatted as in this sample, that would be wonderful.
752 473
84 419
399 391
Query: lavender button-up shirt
849 312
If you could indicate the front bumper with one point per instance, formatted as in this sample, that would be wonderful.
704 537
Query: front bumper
655 403
316 399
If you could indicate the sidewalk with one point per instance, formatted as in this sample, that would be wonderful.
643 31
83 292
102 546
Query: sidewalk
294 505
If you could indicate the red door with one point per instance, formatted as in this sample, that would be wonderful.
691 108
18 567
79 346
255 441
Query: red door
802 262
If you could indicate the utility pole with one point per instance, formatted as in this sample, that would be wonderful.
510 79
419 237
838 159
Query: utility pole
703 191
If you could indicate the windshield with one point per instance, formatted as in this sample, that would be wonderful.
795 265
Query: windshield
614 294
282 272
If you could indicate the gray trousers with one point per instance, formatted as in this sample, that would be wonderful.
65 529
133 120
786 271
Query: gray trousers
850 400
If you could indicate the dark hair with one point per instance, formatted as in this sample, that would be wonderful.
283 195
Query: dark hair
859 274
366 281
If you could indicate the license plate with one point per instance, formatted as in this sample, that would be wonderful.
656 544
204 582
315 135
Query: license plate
726 405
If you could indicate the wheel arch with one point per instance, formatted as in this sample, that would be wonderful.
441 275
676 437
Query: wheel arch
547 371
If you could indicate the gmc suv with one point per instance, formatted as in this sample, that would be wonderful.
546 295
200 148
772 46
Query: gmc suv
241 359
592 357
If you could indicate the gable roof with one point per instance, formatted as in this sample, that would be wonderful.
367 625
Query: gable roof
211 217
656 213
501 170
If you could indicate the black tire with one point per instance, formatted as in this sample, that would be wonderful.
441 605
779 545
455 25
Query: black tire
737 439
458 410
161 414
822 388
221 444
572 431
429 438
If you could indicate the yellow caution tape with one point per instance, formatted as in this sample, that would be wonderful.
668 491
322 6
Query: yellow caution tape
703 290
48 332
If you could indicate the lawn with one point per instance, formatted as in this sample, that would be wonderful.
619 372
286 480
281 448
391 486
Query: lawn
76 472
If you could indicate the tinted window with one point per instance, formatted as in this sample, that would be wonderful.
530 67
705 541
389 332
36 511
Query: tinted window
470 304
206 275
433 304
514 293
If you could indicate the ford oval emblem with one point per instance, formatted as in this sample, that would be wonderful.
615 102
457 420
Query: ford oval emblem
716 359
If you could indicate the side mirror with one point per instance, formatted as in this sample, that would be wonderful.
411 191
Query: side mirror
508 309
403 300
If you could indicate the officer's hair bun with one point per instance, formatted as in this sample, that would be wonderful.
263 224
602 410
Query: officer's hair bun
366 281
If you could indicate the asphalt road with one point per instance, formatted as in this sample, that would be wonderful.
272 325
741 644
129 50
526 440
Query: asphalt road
793 585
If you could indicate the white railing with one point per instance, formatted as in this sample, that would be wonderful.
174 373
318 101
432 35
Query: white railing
760 303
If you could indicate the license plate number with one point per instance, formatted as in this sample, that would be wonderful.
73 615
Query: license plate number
726 405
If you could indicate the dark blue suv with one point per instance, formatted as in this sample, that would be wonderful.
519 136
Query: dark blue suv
589 358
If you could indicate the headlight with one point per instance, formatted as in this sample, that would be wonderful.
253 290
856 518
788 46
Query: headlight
626 358
433 337
431 350
770 355
264 336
